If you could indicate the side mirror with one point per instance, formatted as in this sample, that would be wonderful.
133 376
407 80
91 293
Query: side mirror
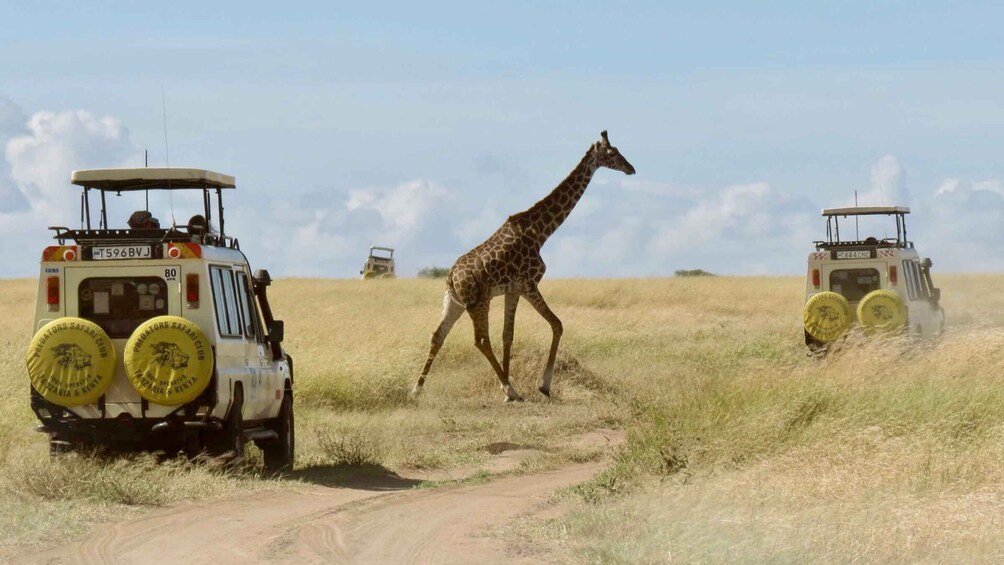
262 278
936 295
276 331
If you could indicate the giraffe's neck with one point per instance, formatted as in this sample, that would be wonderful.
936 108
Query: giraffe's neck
548 214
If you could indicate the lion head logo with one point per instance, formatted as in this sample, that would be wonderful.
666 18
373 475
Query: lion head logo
169 355
71 355
881 312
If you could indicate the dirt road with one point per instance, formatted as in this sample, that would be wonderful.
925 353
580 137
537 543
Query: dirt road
375 520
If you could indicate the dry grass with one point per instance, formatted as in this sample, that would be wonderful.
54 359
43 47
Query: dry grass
741 447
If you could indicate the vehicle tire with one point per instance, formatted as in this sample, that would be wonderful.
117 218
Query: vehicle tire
169 360
71 362
826 316
229 441
882 311
279 453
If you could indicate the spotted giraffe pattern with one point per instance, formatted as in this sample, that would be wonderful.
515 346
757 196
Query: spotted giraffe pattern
508 263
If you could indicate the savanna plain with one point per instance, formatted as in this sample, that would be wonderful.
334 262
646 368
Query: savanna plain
739 446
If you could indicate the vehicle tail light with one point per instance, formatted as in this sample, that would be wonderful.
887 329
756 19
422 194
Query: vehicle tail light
192 290
60 253
893 274
815 278
183 250
52 293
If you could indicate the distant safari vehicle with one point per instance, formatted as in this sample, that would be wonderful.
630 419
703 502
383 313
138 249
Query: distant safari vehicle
158 338
380 264
882 285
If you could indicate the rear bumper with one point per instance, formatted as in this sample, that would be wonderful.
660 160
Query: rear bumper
124 431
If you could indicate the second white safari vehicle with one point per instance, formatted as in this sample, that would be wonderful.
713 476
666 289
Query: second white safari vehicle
379 264
158 338
882 285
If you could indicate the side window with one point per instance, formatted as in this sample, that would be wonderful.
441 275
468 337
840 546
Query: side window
922 290
225 297
249 313
911 280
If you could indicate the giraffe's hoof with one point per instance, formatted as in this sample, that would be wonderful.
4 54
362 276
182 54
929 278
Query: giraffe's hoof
416 391
509 399
545 391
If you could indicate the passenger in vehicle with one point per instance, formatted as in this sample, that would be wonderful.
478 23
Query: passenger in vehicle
197 225
143 220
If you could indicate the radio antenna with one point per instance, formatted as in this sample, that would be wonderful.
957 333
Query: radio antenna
146 163
857 232
167 152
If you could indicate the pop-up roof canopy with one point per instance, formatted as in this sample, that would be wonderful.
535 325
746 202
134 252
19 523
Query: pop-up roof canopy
833 216
866 211
121 180
133 180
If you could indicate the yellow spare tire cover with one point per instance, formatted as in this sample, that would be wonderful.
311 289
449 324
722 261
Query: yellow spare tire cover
826 316
169 360
71 362
881 311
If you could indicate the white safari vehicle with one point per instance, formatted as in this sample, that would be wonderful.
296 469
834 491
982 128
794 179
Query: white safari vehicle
883 285
380 264
151 338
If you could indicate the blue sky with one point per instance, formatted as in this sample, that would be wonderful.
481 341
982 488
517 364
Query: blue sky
423 125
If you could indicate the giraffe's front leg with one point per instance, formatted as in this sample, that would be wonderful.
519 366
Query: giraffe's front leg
479 316
537 301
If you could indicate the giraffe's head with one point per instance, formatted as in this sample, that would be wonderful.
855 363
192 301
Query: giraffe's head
608 156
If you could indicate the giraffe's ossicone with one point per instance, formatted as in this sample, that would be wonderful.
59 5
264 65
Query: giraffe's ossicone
509 264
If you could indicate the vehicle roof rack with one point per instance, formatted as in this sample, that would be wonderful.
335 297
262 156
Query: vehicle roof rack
160 178
833 216
148 178
866 211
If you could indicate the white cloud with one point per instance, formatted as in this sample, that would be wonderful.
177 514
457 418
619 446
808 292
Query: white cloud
55 144
966 226
403 208
39 152
12 123
888 185
653 229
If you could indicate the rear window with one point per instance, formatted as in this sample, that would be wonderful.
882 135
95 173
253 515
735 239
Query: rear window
854 284
120 304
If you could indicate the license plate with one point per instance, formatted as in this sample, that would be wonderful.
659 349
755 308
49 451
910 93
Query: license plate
121 252
863 254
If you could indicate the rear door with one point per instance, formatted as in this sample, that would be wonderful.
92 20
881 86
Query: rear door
853 280
119 299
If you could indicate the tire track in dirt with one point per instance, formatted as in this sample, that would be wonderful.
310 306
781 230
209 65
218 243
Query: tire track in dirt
373 520
451 525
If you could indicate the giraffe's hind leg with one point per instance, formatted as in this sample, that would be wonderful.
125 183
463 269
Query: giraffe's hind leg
451 313
479 315
535 299
511 301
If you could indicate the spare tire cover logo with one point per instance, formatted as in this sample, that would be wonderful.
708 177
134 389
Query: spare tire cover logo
71 355
169 355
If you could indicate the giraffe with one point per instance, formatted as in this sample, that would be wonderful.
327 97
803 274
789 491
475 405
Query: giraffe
508 263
